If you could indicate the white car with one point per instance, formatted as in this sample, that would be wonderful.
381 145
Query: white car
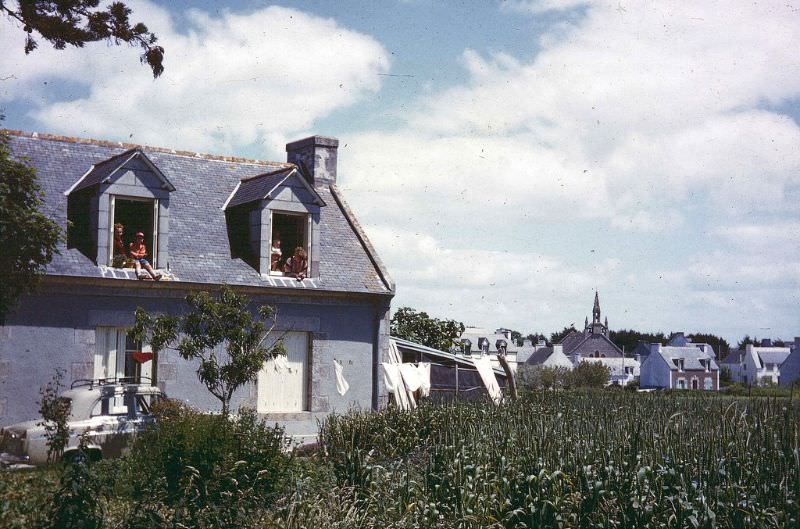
109 412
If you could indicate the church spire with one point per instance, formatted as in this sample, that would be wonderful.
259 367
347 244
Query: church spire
596 309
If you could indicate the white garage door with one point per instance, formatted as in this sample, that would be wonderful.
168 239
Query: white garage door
283 386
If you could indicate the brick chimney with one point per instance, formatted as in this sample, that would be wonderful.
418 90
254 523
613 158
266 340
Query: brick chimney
316 158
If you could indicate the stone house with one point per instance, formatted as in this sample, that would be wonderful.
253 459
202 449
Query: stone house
207 221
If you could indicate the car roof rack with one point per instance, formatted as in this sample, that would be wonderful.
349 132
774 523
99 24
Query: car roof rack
99 382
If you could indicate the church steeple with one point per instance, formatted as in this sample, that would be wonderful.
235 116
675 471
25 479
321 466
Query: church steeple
596 309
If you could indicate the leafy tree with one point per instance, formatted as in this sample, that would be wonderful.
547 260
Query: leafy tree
210 324
516 337
543 377
744 342
419 327
589 375
725 377
719 344
55 411
76 22
28 239
536 336
628 339
556 337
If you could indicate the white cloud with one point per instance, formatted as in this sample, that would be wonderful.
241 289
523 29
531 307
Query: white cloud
641 117
231 80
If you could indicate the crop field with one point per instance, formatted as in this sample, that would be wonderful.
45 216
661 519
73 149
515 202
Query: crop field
560 459
550 460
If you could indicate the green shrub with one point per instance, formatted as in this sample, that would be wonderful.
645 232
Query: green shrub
209 452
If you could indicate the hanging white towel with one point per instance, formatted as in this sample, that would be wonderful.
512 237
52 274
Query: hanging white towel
410 377
280 364
424 372
341 384
484 367
393 381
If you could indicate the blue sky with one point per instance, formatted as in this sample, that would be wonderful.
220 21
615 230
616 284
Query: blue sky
506 158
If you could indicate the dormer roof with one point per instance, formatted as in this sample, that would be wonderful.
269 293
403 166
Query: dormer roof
105 171
264 186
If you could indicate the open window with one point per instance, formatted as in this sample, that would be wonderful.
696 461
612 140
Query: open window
126 189
269 216
135 215
289 232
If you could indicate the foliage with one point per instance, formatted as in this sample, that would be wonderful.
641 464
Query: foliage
543 377
29 239
75 505
77 22
556 337
746 340
210 325
719 344
55 412
628 339
588 374
725 377
188 445
535 337
567 459
22 495
419 327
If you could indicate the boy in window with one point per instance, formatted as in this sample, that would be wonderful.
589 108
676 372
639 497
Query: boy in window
297 264
138 252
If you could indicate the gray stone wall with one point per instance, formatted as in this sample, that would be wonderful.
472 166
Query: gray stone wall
56 329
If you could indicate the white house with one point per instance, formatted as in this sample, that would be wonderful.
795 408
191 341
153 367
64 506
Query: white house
623 370
762 365
679 368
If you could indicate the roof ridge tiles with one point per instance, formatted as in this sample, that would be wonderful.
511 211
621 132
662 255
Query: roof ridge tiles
151 148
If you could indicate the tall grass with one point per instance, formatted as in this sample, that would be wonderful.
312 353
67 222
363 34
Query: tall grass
563 459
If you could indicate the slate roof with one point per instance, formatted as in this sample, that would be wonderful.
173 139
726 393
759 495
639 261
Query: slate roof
259 187
734 358
587 344
772 355
106 168
203 183
539 357
691 357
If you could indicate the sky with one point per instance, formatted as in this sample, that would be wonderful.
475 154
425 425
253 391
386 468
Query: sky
506 158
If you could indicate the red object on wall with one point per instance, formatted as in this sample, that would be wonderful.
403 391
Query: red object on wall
141 357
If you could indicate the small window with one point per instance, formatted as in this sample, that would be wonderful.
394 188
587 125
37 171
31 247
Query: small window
708 384
289 232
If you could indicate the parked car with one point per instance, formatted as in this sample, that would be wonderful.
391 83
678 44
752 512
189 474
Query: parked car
110 413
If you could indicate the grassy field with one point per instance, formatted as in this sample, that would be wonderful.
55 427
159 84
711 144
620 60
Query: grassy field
552 459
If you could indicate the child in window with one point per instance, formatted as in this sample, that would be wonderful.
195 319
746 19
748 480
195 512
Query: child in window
138 252
297 264
120 255
275 253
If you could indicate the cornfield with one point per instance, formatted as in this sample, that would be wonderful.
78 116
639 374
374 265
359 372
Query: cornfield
564 460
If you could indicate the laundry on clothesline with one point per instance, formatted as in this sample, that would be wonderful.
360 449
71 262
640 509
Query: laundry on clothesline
341 384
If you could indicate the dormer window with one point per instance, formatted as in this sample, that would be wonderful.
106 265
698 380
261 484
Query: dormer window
272 215
127 190
678 363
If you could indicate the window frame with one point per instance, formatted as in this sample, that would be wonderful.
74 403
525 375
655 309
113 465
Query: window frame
307 238
111 213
